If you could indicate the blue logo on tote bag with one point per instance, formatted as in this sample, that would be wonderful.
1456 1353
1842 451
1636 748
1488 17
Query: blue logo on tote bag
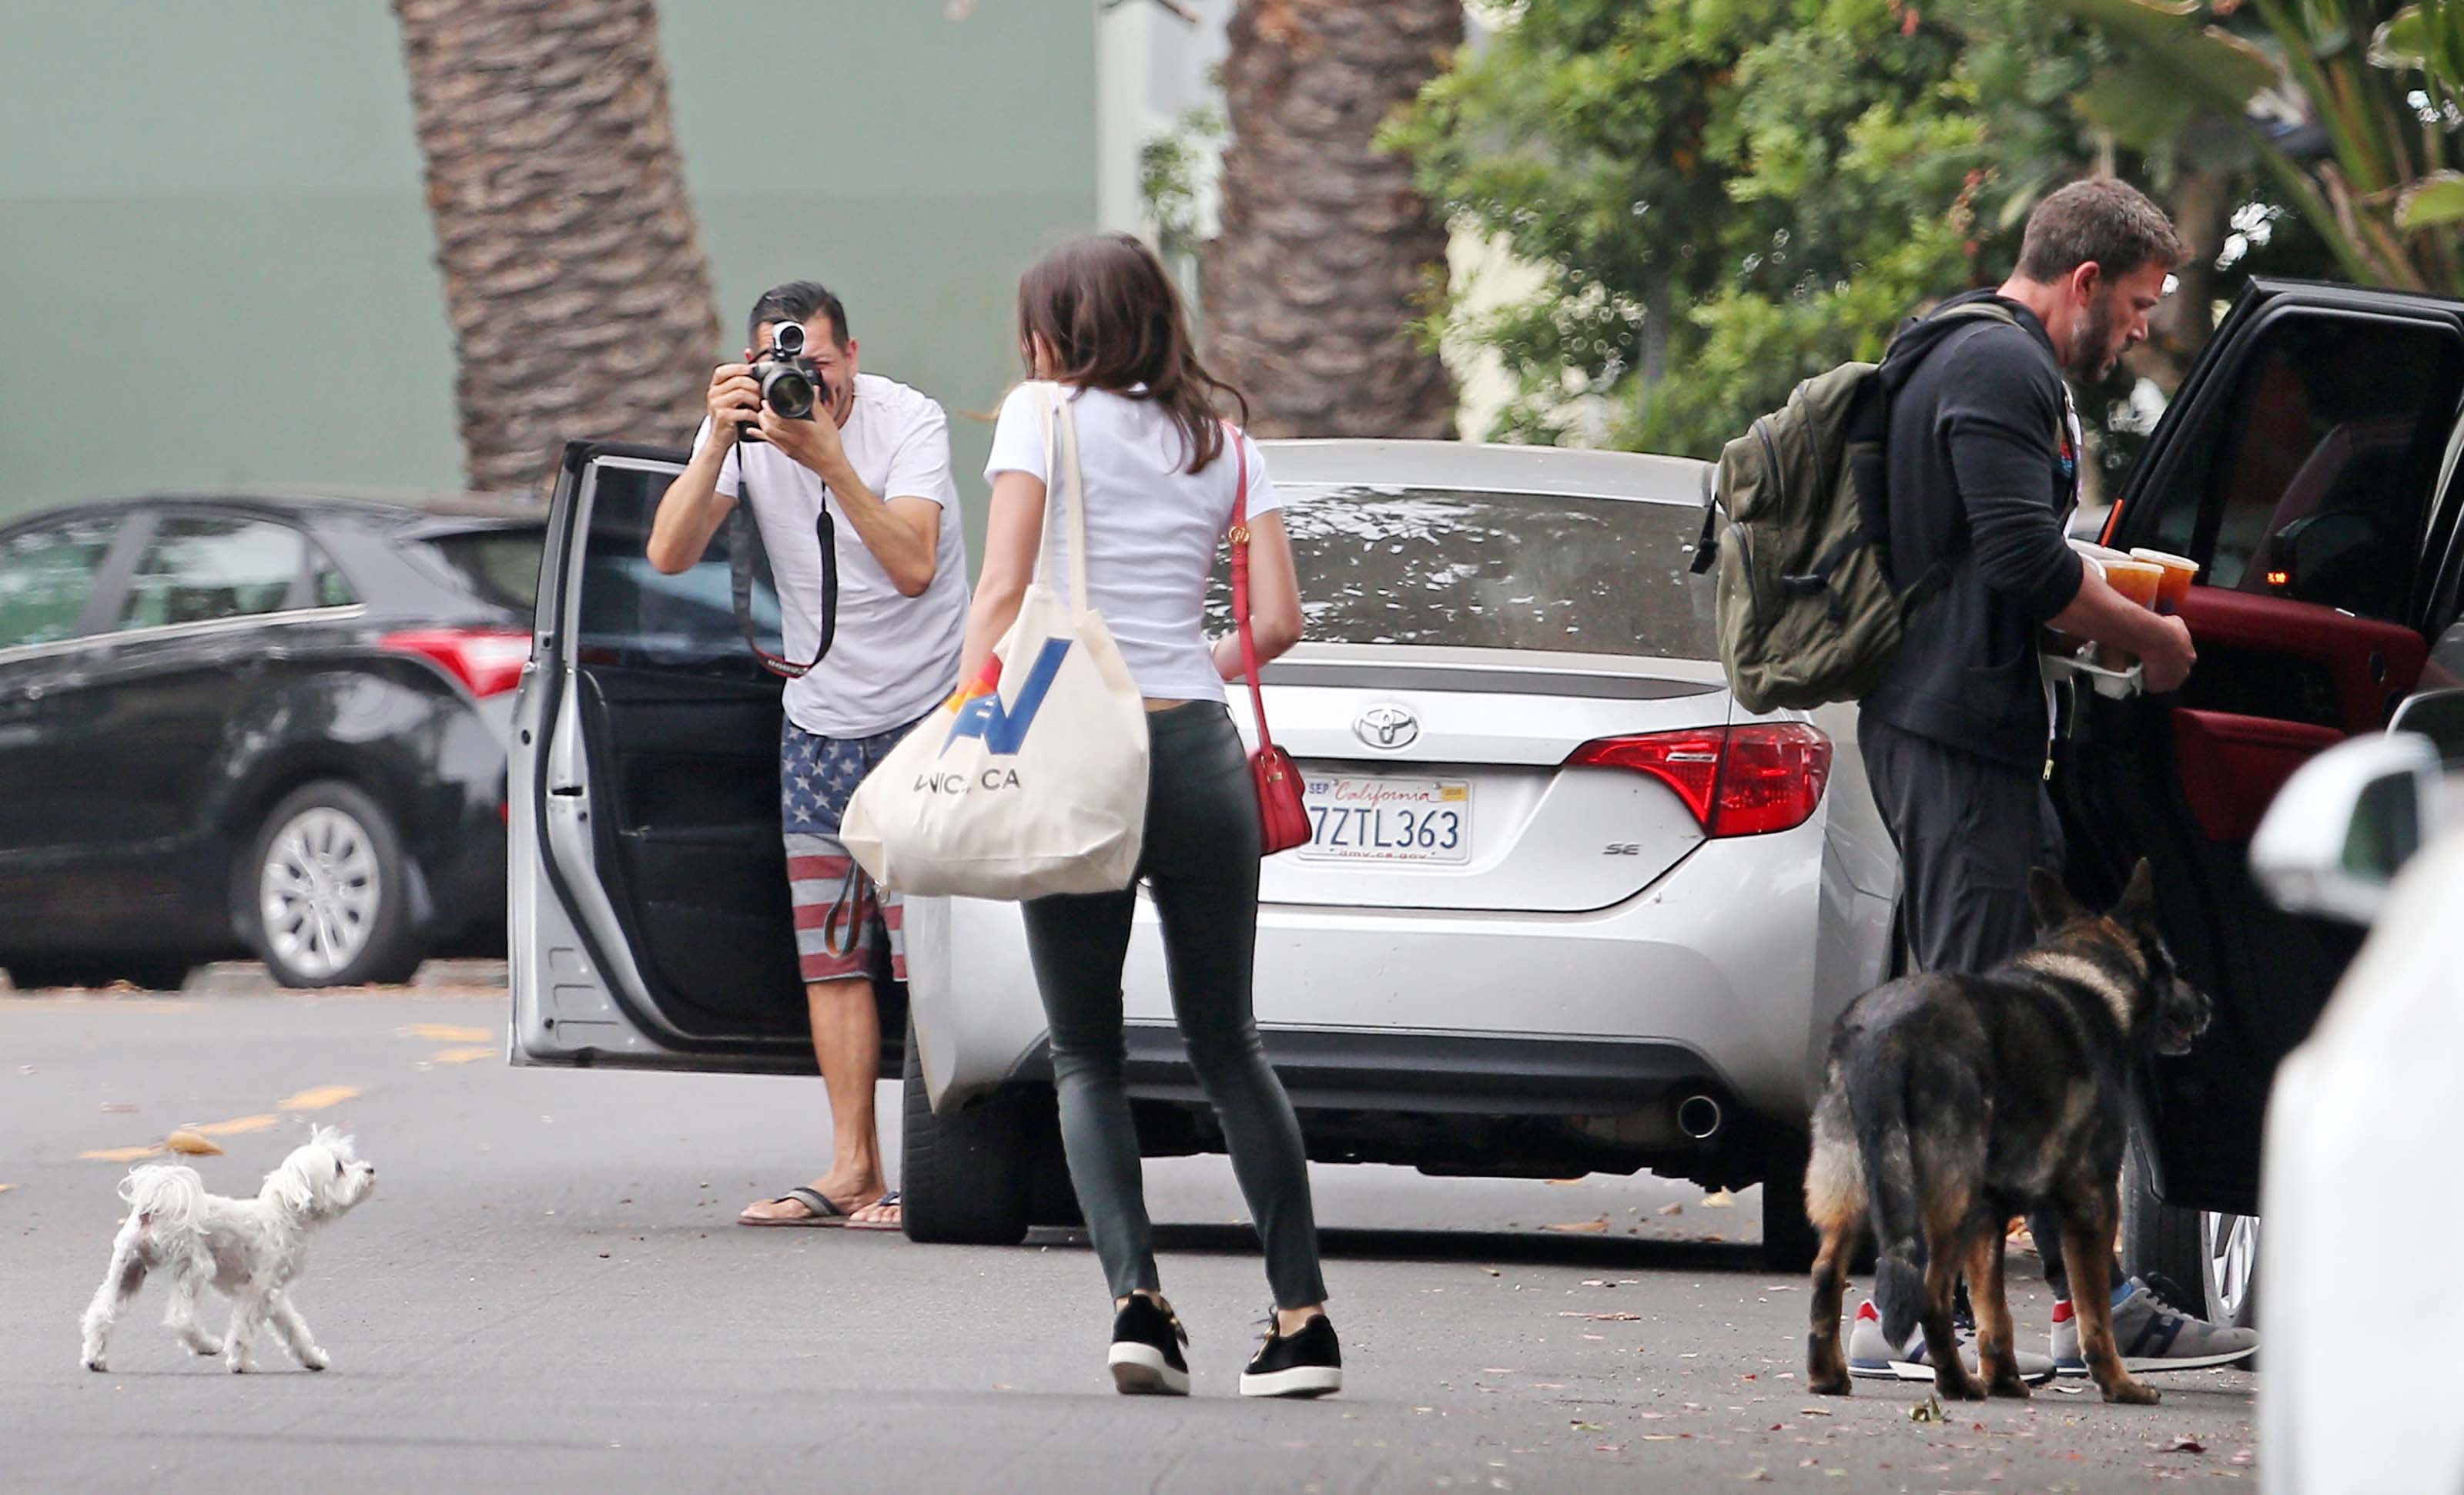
1005 731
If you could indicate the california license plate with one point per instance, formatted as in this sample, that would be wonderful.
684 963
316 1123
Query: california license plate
1363 819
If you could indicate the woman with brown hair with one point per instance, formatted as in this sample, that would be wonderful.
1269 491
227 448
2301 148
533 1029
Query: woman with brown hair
1159 474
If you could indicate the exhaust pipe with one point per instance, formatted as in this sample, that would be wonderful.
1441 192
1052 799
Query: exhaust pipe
1700 1117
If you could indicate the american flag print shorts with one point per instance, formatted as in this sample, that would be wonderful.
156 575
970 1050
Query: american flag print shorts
843 922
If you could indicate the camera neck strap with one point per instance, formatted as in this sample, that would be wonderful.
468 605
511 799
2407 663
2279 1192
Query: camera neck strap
742 544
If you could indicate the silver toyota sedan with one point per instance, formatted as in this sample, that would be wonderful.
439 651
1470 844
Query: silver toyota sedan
1567 909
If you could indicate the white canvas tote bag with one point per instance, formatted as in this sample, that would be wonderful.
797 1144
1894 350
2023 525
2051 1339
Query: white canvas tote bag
1032 779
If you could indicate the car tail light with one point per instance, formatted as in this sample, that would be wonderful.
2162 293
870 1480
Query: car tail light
1738 780
486 661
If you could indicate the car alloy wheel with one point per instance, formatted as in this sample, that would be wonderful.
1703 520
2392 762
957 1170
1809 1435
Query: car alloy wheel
318 891
2228 1246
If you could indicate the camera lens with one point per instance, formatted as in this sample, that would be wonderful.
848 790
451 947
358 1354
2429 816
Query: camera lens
787 340
789 392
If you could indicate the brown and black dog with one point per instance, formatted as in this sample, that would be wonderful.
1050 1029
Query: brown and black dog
1953 1103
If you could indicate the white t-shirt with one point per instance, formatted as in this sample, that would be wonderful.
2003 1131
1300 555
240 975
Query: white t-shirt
894 657
1152 528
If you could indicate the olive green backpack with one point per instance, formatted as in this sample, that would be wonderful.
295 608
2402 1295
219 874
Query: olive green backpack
1806 612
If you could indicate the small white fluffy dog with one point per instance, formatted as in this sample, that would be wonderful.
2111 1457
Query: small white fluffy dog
248 1250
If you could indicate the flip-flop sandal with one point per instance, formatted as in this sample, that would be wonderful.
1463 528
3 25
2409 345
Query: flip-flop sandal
824 1210
892 1199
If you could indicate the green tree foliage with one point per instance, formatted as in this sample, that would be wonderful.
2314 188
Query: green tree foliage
1728 195
2348 105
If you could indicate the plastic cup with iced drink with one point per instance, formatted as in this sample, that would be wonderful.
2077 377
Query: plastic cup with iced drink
2140 580
2180 571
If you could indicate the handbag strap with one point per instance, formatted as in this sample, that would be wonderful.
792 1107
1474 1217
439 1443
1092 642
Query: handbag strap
1239 538
1060 460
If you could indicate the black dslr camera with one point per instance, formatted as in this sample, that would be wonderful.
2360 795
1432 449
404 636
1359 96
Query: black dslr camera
790 384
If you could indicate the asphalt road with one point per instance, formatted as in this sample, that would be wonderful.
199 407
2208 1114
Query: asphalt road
547 1293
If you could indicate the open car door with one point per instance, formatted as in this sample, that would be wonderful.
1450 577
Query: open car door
2308 465
650 919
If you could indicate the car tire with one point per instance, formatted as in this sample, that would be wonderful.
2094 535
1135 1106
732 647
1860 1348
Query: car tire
2157 1239
2229 1259
965 1179
1790 1242
325 890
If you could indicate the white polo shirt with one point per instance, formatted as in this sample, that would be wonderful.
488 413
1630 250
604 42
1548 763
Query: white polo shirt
894 657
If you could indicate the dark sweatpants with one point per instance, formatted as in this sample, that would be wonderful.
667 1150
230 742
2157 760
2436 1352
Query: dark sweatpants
1967 829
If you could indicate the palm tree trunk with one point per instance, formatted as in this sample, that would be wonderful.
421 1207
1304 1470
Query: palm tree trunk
579 293
1327 256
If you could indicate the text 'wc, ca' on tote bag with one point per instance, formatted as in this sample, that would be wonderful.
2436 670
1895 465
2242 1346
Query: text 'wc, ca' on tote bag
1032 779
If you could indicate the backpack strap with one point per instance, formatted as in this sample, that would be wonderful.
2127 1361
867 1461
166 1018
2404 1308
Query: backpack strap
1937 576
1707 548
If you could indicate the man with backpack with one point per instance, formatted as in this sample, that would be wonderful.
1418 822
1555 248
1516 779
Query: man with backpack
1981 473
1894 538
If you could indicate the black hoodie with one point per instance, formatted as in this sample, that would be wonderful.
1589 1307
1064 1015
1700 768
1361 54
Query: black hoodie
1983 467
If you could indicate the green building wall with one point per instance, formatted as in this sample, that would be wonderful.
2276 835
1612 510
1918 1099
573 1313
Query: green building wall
216 265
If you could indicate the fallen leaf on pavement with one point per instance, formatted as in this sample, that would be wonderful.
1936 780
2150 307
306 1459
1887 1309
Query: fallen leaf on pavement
238 1126
186 1140
441 1033
1581 1227
1928 1410
118 1155
463 1056
1672 1209
319 1098
1719 1200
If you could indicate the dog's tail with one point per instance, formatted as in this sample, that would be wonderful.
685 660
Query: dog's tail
1877 1100
164 1194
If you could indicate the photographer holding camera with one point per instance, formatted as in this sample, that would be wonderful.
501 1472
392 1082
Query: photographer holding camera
799 427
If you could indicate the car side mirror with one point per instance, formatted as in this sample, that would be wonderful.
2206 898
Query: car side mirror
2435 715
2343 825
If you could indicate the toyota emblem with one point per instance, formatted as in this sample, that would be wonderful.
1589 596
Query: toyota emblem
1387 727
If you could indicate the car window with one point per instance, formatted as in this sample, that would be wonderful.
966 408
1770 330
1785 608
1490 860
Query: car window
501 566
1482 570
632 614
47 577
329 587
2319 484
200 568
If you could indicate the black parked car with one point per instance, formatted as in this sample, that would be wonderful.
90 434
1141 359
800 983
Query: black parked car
270 725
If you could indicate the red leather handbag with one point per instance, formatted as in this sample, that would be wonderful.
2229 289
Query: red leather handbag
1283 818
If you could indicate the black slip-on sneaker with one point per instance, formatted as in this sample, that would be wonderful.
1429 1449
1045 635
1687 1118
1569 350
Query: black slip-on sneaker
1306 1363
1146 1357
